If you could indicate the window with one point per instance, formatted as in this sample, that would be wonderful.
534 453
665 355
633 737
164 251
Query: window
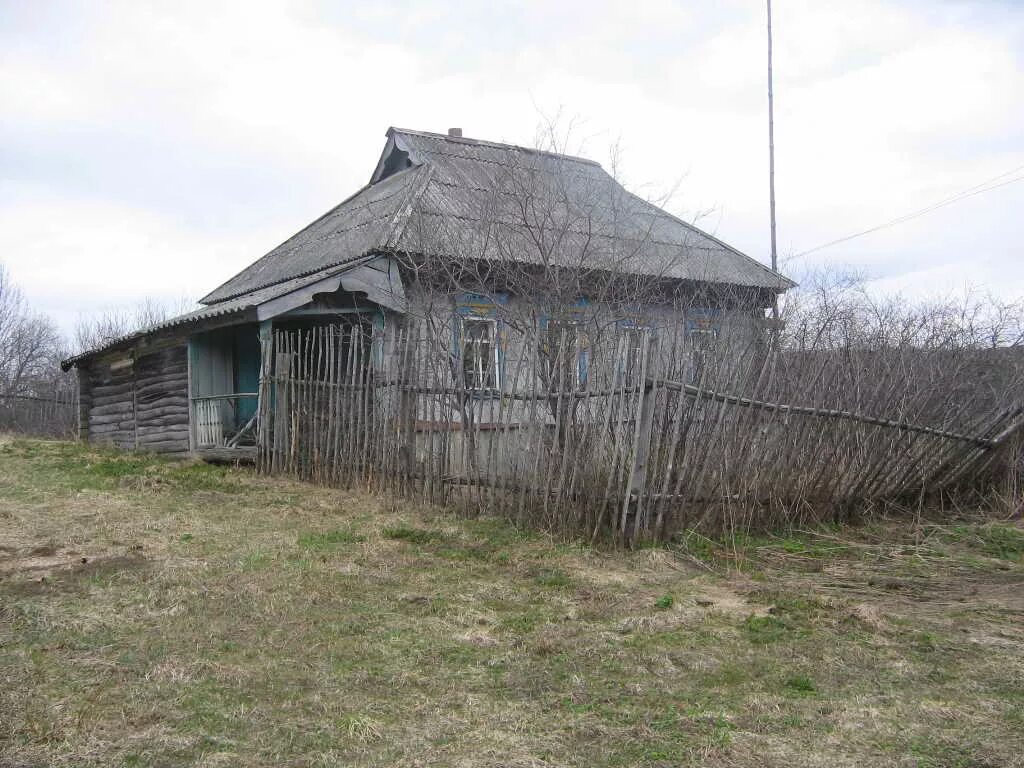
566 362
703 344
479 353
633 343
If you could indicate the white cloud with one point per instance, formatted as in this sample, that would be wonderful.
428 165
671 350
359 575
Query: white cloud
75 256
202 134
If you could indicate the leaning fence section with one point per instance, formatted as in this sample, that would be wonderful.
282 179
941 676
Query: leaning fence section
618 448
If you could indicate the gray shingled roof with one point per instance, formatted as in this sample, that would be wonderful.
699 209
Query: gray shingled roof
238 306
435 195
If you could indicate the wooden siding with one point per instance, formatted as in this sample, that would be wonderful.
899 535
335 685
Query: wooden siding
139 403
161 401
111 411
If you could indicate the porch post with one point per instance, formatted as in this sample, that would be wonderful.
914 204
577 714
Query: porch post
190 385
263 394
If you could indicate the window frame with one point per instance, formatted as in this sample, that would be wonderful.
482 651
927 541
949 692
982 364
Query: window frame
495 362
700 354
580 362
630 368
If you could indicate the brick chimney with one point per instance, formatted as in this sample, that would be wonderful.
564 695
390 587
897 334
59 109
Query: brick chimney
456 132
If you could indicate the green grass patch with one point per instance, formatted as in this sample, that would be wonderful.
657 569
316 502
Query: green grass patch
256 560
799 685
1003 541
328 540
998 540
553 577
413 535
767 629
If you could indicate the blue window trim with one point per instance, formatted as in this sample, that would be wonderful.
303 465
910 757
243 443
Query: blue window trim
703 319
470 306
583 352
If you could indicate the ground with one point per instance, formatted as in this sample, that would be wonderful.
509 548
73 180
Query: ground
163 614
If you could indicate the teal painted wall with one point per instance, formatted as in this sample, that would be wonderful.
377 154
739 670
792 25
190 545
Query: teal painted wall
247 369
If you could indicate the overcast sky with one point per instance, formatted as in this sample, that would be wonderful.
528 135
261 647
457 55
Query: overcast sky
157 149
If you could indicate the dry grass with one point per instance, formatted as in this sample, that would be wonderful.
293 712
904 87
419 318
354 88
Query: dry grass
157 614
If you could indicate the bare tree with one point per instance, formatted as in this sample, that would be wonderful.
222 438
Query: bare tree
35 396
97 330
29 342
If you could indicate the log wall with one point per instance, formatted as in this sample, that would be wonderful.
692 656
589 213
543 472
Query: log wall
139 403
161 401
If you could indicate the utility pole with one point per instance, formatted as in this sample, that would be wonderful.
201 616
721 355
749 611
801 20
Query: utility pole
771 160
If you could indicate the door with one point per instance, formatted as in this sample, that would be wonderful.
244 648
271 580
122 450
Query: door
247 370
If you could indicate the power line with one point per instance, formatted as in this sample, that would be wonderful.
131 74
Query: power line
977 189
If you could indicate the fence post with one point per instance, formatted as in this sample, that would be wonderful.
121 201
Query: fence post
1009 473
636 480
406 378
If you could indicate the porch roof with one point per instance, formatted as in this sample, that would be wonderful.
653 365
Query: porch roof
243 308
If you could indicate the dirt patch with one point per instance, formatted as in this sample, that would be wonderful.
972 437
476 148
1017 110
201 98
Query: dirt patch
725 599
1001 589
41 559
45 567
630 570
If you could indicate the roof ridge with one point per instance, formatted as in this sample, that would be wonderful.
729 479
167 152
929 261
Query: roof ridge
493 144
415 190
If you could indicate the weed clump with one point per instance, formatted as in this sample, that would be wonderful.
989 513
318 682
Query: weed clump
413 535
553 577
329 539
800 685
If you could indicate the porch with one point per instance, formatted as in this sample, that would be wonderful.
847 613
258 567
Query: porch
225 375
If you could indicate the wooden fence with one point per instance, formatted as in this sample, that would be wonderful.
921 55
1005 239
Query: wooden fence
618 450
45 415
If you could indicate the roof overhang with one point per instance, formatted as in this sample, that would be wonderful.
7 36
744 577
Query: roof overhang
209 318
377 277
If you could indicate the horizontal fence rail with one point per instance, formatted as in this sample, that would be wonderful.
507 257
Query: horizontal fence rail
624 449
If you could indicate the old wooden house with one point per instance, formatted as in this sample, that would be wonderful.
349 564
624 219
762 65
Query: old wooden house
483 247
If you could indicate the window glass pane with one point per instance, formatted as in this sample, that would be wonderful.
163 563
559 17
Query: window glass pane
633 340
702 354
563 353
479 355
